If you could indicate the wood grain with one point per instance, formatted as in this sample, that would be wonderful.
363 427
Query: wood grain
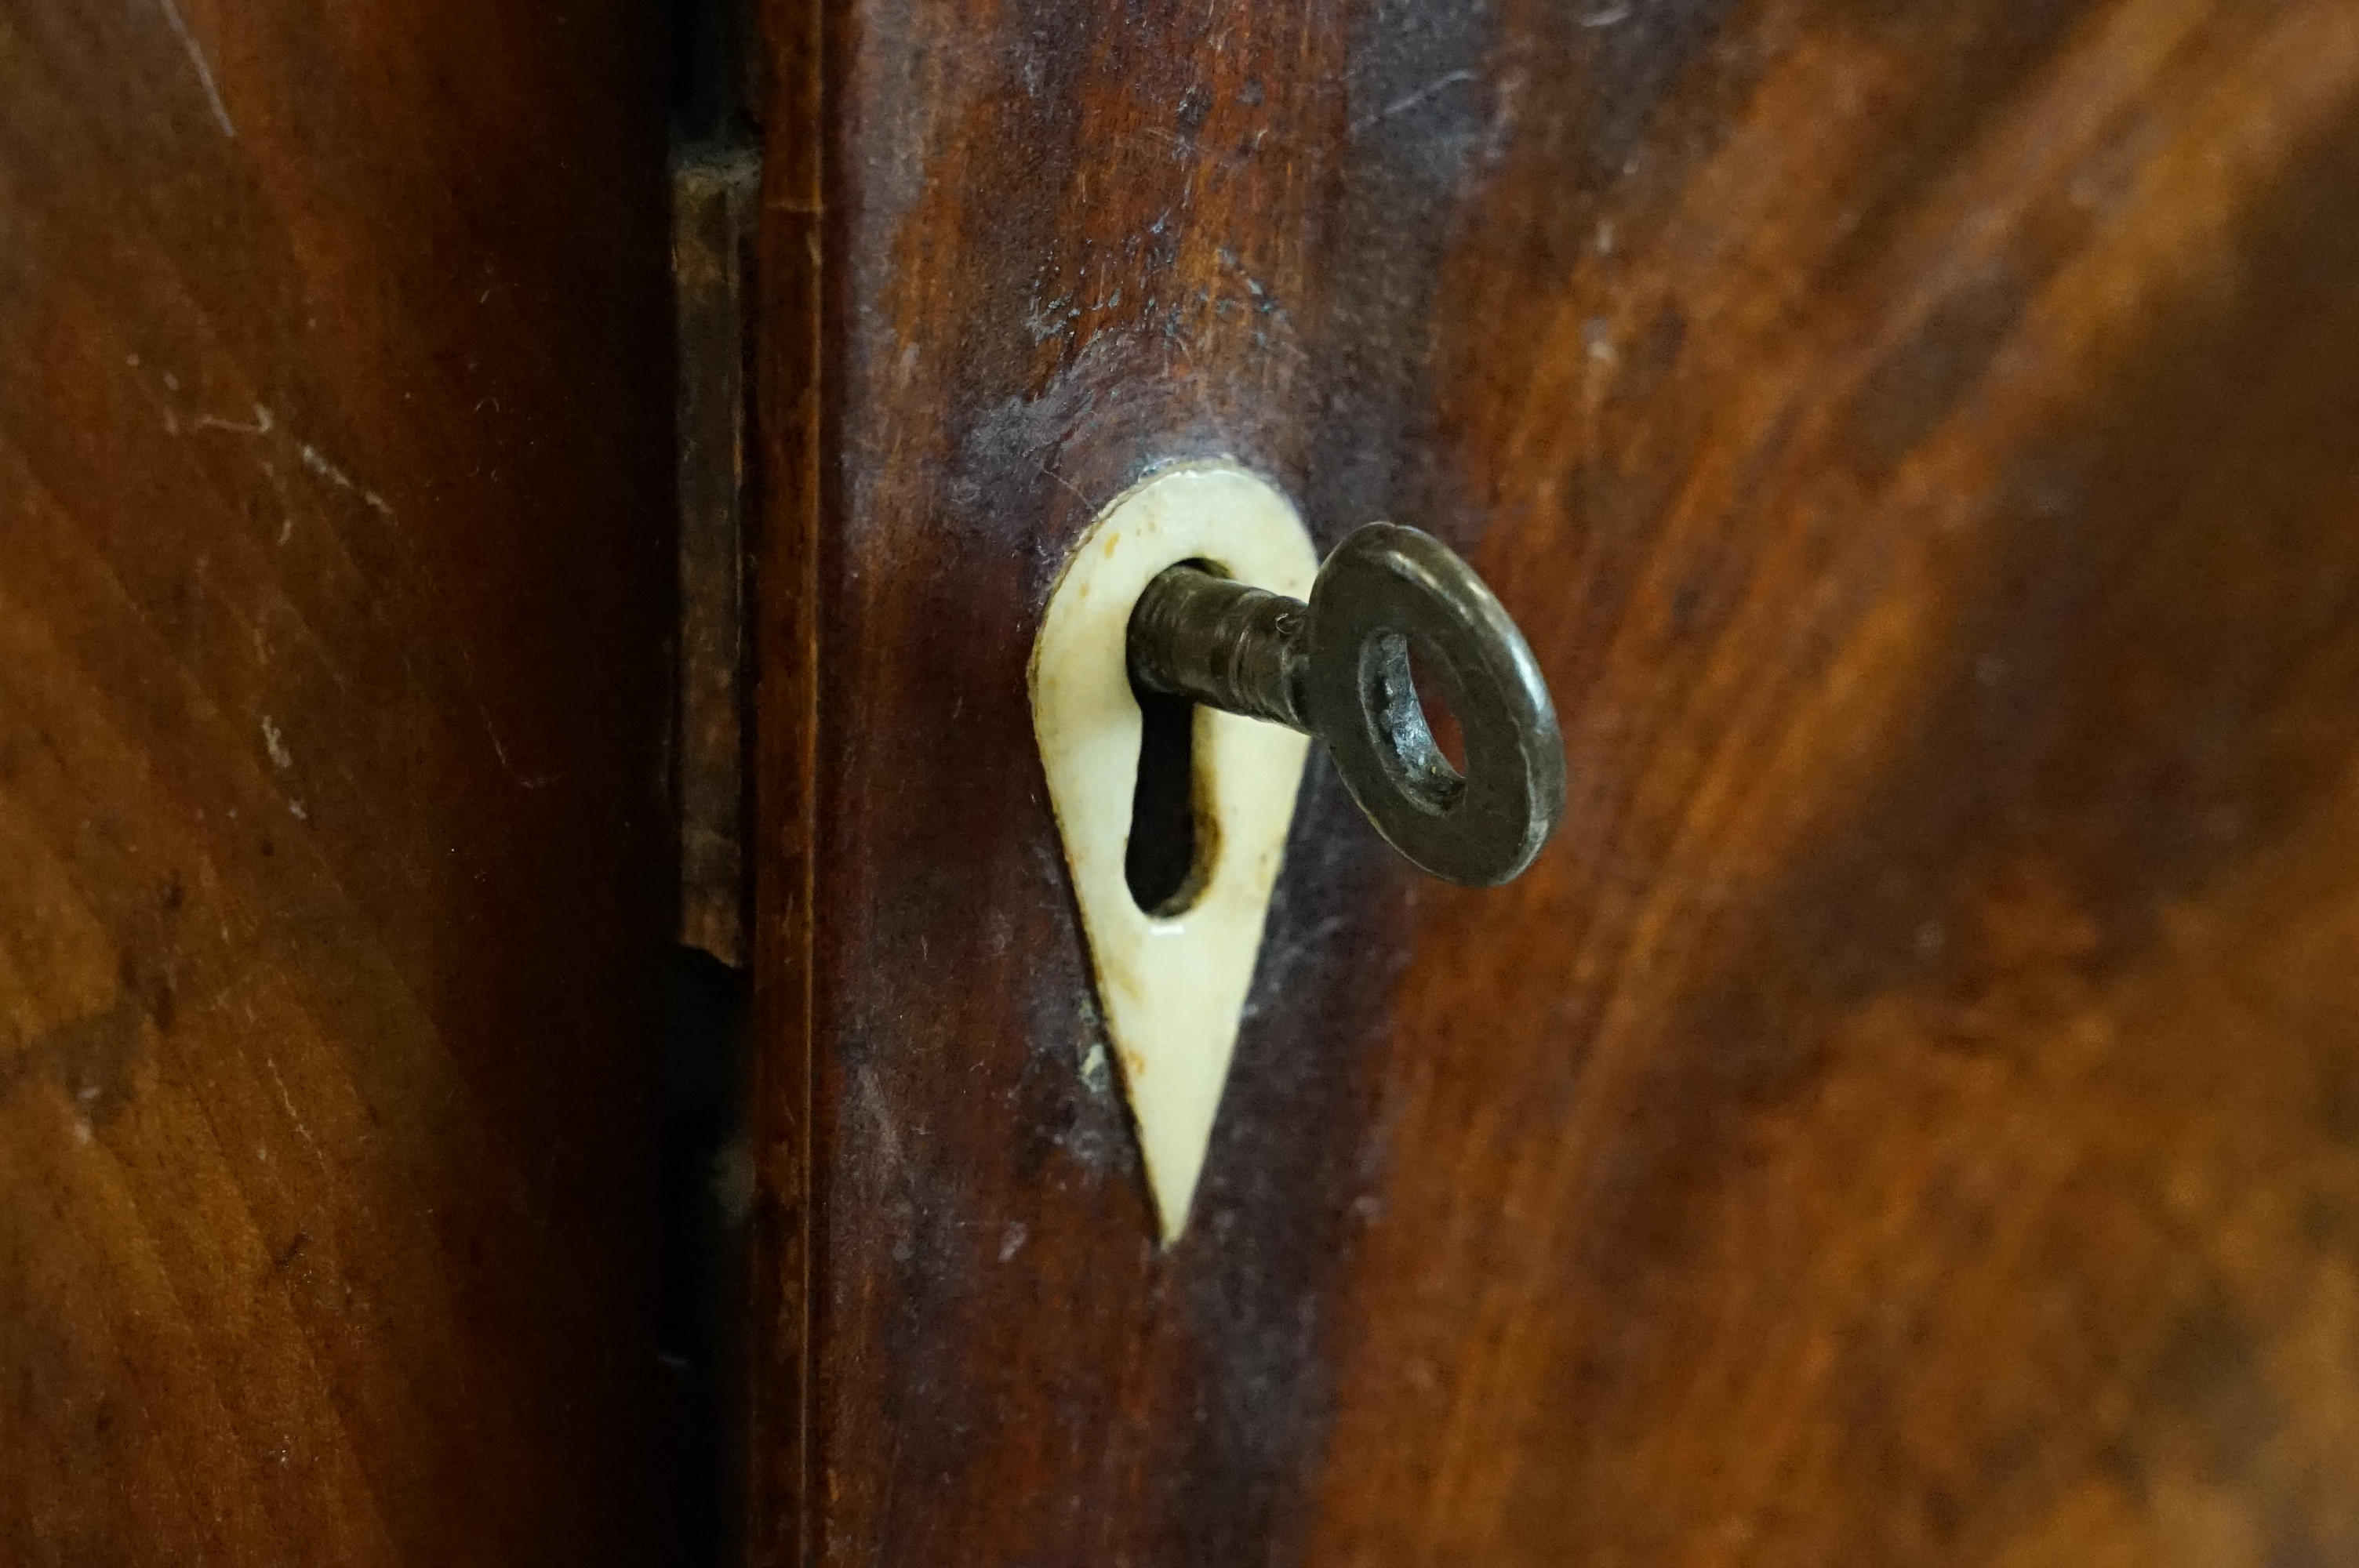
333 471
1908 1115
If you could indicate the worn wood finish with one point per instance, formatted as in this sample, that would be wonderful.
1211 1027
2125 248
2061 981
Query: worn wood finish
1909 1116
333 472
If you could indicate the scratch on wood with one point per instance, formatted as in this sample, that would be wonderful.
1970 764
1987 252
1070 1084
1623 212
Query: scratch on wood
263 423
326 469
1403 104
204 71
287 1104
888 1138
540 782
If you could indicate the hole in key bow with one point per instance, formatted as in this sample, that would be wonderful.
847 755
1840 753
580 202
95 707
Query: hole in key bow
1413 759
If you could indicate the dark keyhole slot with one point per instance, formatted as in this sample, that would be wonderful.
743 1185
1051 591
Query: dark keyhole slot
1164 858
1440 718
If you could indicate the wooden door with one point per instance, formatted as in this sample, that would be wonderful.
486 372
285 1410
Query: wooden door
1911 1112
334 436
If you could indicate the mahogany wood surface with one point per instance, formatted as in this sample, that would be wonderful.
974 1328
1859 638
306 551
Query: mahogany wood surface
1910 1115
334 472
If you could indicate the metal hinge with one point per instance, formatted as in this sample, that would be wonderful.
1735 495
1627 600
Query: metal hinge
715 194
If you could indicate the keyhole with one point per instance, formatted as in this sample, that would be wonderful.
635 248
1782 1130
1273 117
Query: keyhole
1165 861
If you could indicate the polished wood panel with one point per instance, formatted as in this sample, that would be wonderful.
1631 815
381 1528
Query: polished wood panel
1908 1115
334 416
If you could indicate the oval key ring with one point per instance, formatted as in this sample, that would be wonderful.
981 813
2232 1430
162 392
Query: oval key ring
1385 590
